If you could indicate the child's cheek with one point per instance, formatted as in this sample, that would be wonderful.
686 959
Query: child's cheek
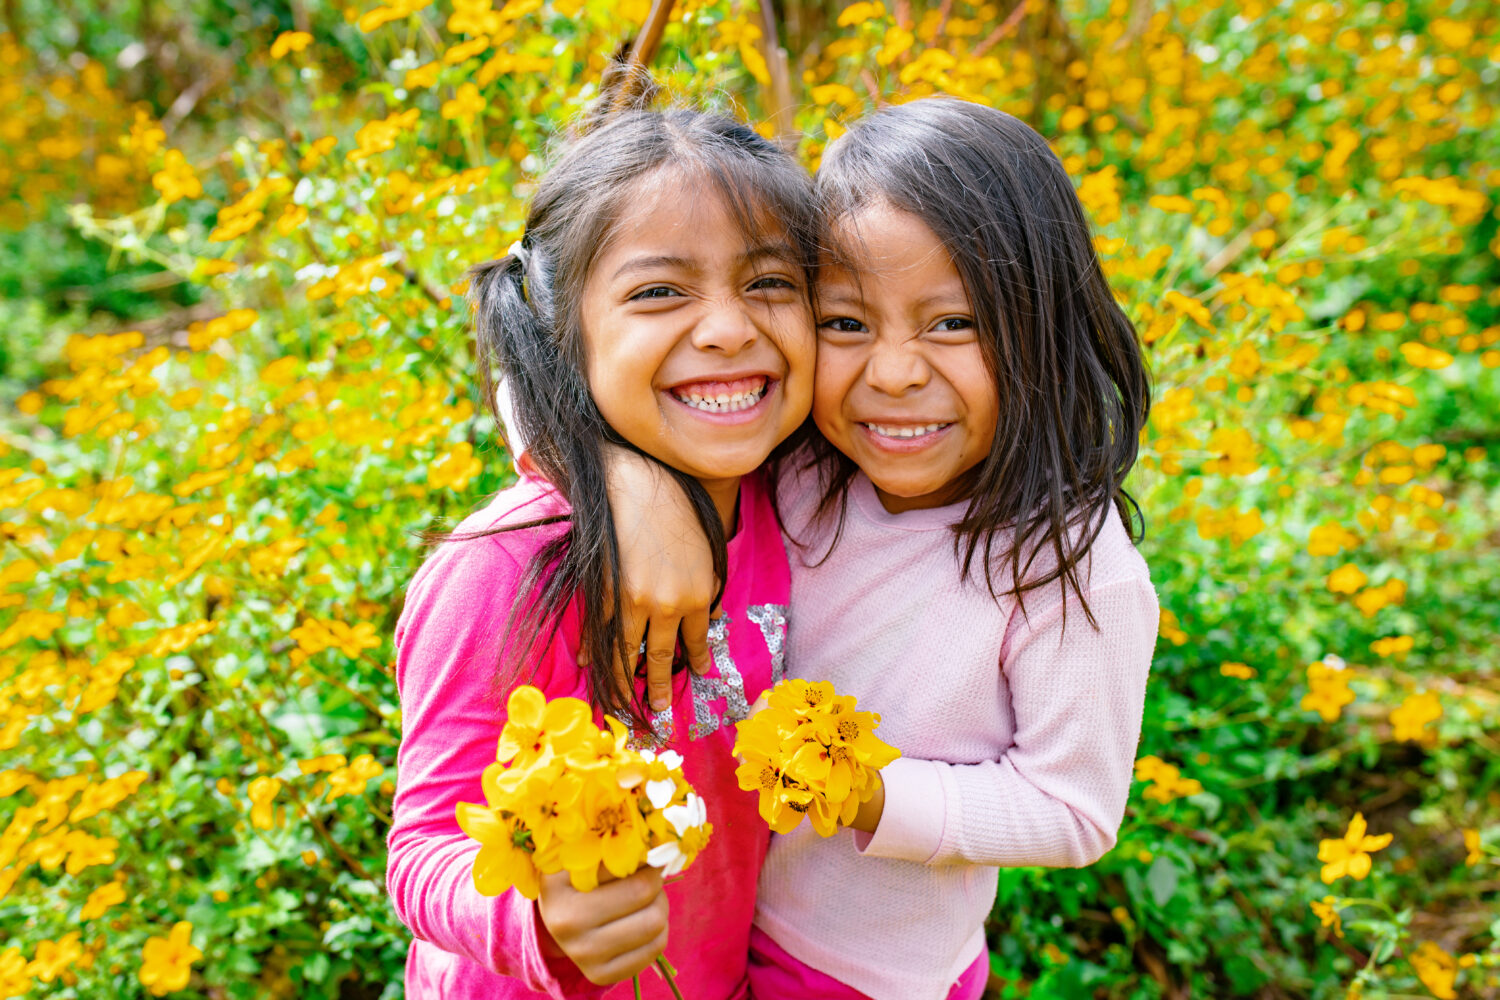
831 385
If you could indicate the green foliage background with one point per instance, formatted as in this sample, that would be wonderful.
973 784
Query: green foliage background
226 415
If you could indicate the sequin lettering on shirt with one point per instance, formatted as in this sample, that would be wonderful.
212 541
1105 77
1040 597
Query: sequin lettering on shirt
772 621
662 729
729 685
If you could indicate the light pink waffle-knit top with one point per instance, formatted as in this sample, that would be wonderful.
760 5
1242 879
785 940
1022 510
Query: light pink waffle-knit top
1018 737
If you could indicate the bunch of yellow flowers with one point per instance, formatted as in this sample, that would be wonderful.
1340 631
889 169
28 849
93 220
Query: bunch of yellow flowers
564 794
809 753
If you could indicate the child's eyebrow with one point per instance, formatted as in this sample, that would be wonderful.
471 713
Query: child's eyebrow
781 251
946 299
841 296
778 251
653 263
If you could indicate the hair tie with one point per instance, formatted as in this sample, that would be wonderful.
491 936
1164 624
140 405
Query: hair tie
523 257
519 252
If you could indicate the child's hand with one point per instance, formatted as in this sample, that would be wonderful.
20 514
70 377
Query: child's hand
666 572
611 933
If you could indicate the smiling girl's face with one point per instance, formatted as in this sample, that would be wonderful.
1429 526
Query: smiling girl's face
902 386
699 336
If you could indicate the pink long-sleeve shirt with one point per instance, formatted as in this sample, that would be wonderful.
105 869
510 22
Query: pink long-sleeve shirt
448 644
1018 737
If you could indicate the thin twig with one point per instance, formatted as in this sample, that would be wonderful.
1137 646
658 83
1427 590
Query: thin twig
647 40
780 70
1236 246
1006 27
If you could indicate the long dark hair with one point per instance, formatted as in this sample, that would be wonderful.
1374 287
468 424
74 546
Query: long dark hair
527 326
1072 383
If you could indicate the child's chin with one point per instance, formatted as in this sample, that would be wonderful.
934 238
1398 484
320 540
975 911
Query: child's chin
908 494
725 470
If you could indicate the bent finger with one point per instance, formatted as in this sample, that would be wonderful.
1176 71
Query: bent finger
695 641
661 647
620 967
624 673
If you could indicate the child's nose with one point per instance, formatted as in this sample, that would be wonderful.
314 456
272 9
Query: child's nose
895 369
726 328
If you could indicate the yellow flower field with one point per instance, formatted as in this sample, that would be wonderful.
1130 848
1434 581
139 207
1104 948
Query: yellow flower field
237 385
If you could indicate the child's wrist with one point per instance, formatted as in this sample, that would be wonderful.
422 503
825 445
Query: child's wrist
545 942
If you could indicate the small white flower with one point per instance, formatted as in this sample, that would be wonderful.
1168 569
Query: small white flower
688 815
671 758
668 857
660 792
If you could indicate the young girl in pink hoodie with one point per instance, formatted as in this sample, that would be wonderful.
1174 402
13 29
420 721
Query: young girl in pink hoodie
659 301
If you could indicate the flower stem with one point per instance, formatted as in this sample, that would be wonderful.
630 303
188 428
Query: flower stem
666 970
635 985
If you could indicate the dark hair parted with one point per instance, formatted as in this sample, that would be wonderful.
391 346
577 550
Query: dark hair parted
1071 380
528 329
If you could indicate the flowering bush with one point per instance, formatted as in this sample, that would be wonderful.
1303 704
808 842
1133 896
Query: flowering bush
809 753
236 383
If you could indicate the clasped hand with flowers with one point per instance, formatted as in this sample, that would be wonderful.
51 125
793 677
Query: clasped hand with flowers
565 795
810 753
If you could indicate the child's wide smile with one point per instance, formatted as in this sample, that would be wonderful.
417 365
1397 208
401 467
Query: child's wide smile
726 396
904 438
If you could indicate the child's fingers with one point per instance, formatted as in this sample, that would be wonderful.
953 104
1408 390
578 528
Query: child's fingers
612 932
569 913
634 960
661 643
624 673
695 641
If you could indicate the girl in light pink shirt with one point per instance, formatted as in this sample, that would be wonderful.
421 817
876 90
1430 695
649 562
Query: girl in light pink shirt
660 301
962 555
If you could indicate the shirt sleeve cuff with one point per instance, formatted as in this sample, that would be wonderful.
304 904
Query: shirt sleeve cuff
911 824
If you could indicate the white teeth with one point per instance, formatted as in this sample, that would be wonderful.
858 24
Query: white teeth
724 402
906 431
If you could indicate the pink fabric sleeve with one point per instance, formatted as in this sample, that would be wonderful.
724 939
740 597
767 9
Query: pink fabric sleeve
448 648
1057 796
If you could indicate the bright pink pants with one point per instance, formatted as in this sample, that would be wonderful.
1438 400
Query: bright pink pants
775 975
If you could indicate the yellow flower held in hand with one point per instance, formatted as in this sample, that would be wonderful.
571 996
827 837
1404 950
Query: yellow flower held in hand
810 753
504 859
565 795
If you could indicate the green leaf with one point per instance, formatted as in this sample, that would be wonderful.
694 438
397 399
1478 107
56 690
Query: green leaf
1162 878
